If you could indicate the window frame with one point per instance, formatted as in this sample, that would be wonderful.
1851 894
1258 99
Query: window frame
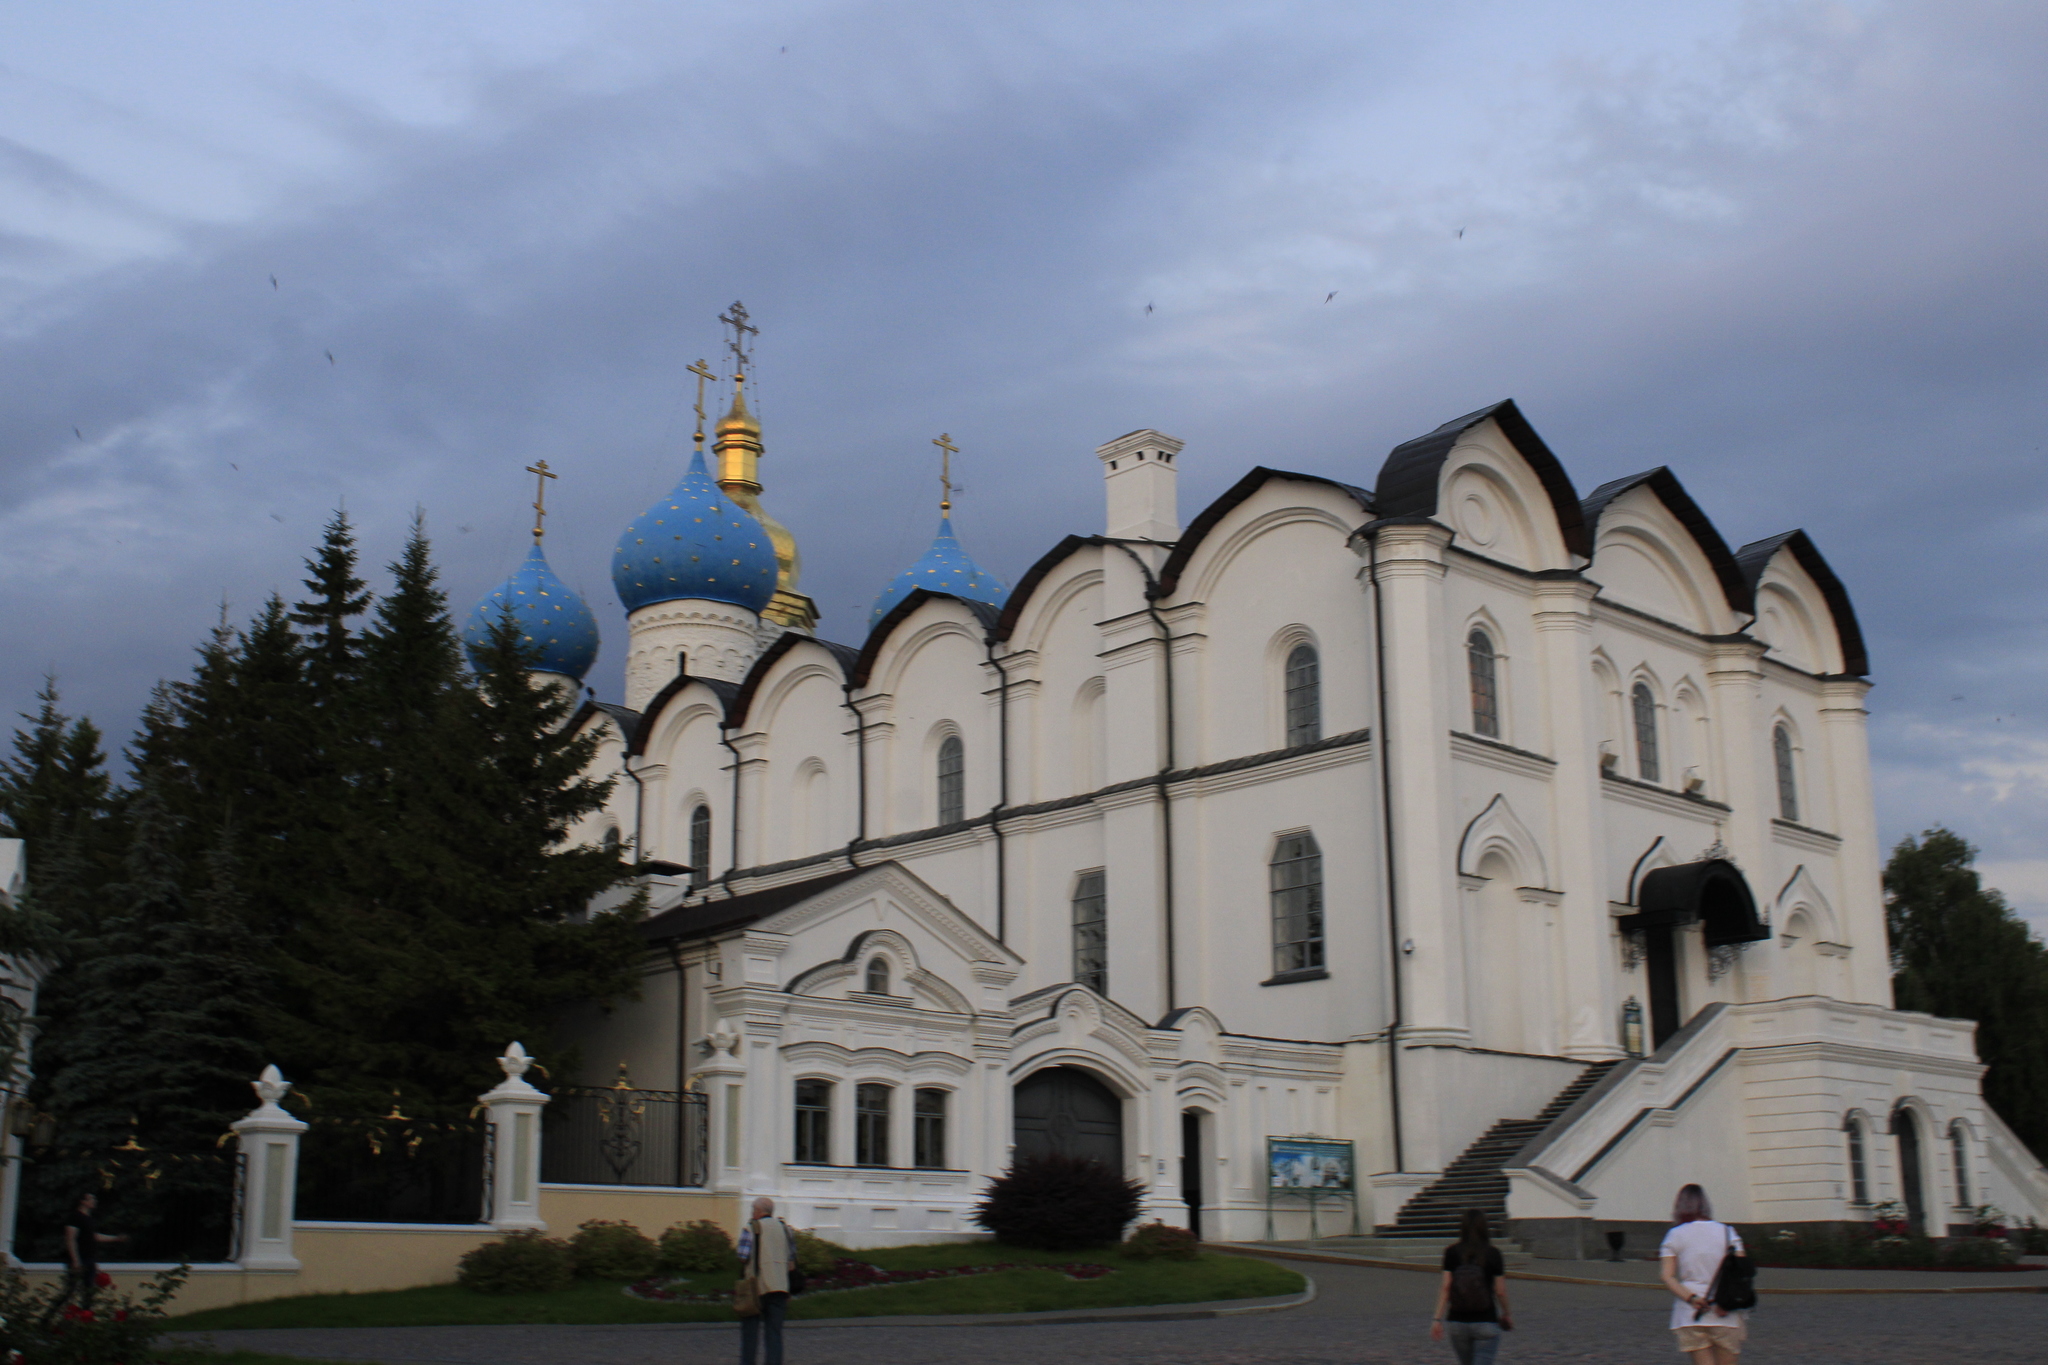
1786 766
1482 676
1859 1161
812 1145
1643 718
951 772
1091 897
700 846
871 1122
1301 695
1294 881
928 1127
1959 1160
877 967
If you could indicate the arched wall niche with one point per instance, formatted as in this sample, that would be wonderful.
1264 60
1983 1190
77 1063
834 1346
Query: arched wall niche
1637 565
1486 503
1061 592
914 648
1498 833
1788 621
1319 508
1086 736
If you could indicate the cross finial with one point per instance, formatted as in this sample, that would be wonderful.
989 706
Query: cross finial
540 495
703 372
742 350
949 450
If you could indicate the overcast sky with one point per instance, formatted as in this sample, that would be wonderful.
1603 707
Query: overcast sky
1793 250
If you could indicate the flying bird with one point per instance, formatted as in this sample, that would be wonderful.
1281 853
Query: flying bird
1148 310
330 357
1461 234
465 529
275 517
1331 295
273 281
79 434
232 465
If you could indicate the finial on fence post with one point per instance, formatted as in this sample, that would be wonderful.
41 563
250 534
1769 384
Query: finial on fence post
514 1106
268 1183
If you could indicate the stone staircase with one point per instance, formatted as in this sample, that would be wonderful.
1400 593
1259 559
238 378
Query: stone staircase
1474 1180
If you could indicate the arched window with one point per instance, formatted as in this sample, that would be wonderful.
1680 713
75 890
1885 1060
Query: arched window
871 1124
1859 1170
1304 696
952 781
1297 884
1959 1150
1788 783
1091 933
700 847
611 840
814 1122
928 1129
1645 707
878 976
1484 668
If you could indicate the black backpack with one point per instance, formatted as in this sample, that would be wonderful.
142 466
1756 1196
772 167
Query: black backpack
1734 1286
1469 1290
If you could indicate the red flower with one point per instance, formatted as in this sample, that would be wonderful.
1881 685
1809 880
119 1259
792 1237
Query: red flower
103 1280
120 1315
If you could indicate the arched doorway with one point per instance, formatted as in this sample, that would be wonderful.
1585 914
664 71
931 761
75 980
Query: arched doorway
1064 1111
1907 1130
1711 894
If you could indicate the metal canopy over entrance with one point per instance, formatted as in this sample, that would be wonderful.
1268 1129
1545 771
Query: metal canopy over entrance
1064 1111
1711 893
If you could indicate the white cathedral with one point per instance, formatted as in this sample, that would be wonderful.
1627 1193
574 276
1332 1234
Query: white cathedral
1520 838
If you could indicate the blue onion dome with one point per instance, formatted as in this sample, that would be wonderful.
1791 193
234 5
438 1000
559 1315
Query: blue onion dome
695 543
944 568
550 615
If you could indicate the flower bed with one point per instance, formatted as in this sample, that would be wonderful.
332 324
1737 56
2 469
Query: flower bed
847 1273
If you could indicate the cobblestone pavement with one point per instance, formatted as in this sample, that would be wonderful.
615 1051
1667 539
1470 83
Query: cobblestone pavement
1361 1317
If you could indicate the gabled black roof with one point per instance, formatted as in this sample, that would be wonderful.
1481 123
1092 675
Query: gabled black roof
1013 605
1205 521
742 700
864 663
1735 588
643 730
1755 557
1408 481
716 917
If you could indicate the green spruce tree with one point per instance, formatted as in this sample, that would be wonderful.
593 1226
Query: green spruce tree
1959 951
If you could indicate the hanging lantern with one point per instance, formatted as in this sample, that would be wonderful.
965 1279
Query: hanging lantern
1632 1027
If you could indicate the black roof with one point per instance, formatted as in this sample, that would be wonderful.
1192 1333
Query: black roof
742 699
637 737
717 916
1735 588
1205 522
864 663
1755 557
1408 481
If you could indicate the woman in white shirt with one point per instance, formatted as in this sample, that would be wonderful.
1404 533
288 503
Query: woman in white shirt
1691 1254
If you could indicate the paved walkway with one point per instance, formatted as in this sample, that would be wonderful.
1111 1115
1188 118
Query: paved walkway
1361 1316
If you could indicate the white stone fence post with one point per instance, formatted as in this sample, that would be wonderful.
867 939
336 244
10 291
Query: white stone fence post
515 1107
270 1177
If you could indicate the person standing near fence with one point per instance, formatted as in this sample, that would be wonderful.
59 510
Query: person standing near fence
767 1250
82 1242
1472 1299
1691 1254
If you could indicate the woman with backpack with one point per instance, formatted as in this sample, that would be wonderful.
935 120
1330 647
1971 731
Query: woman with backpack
1693 1254
1472 1300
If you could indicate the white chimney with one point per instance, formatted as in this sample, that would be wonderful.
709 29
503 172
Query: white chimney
1139 481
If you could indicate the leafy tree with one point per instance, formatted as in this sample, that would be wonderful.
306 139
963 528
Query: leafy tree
1958 950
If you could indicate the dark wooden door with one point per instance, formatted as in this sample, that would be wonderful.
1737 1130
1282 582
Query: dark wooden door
1661 961
1908 1131
1191 1167
1064 1111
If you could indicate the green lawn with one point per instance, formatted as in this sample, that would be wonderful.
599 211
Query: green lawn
587 1302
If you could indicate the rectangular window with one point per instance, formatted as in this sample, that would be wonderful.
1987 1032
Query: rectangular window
732 1125
814 1122
1091 933
871 1125
1297 883
928 1136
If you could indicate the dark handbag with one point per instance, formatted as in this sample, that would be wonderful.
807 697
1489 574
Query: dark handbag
1734 1286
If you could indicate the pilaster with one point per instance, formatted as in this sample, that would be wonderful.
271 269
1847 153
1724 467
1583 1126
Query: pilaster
1845 726
269 1141
514 1106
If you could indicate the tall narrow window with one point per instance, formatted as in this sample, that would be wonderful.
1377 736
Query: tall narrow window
700 847
814 1122
1645 707
1484 668
1859 1170
1091 933
878 976
1959 1149
928 1130
1788 783
1297 878
871 1125
952 781
1304 696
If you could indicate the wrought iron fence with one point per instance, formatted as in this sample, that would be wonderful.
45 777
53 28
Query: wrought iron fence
621 1134
393 1169
171 1205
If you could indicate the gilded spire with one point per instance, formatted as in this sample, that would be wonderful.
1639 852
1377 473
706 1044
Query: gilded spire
540 495
945 444
737 444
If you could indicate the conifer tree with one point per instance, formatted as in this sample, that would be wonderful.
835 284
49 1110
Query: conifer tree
1959 951
56 795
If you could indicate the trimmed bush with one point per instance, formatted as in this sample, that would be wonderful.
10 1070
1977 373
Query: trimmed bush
1059 1203
604 1249
815 1255
697 1248
1158 1242
528 1262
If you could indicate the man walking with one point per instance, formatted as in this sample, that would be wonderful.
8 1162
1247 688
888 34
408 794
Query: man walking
767 1249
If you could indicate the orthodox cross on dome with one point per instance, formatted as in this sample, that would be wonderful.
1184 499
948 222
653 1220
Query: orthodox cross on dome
949 450
540 495
703 372
742 349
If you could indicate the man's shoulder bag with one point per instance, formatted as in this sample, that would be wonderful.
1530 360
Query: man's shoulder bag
1734 1287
